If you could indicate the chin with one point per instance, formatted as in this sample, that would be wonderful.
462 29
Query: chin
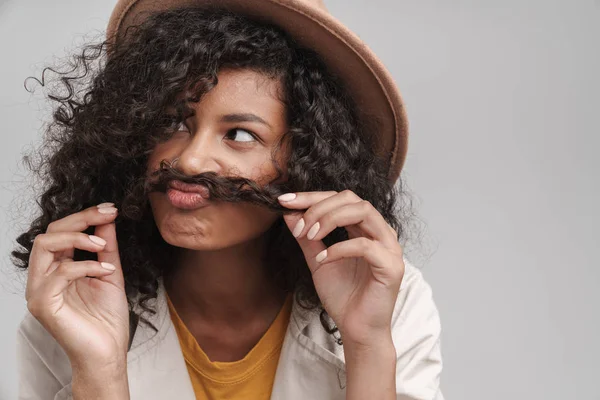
191 242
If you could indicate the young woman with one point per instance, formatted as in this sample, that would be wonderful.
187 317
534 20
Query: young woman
219 218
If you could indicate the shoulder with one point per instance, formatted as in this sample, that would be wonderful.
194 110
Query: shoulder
416 331
415 297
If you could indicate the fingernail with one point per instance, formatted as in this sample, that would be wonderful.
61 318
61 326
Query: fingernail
321 256
107 210
298 228
313 231
105 205
108 266
97 240
287 197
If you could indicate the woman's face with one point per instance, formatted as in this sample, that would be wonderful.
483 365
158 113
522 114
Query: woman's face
219 138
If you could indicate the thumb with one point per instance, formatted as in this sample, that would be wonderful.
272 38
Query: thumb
110 253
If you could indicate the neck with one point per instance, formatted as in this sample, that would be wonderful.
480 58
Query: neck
227 287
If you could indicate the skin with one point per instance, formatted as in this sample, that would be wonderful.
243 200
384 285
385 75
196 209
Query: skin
220 287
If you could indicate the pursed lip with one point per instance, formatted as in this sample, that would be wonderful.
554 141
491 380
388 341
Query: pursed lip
190 188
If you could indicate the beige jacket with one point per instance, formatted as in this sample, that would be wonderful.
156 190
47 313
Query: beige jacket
311 364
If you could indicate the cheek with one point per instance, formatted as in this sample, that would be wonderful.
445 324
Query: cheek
237 223
230 225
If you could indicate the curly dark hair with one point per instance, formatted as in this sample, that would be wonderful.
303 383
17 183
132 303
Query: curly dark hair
97 145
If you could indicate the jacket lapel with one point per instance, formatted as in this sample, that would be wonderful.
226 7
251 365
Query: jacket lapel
155 365
311 364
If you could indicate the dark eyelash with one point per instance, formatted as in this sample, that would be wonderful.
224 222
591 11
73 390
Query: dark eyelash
254 135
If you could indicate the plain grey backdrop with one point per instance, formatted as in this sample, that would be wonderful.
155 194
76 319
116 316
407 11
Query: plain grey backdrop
503 102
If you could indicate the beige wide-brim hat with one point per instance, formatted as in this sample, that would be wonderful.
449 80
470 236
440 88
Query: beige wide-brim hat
311 25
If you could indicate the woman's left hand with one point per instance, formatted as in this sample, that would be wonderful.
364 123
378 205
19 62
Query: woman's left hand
359 280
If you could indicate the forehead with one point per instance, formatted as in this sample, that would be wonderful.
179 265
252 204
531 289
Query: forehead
248 89
249 82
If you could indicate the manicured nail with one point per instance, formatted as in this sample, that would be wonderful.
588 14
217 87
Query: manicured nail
107 210
108 266
321 256
313 231
287 197
105 205
97 240
298 228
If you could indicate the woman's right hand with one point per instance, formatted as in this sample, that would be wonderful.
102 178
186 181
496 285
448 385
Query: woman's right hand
82 304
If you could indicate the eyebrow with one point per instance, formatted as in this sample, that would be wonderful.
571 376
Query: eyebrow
244 117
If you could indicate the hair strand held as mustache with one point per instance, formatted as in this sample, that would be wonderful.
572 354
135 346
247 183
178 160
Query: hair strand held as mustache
221 188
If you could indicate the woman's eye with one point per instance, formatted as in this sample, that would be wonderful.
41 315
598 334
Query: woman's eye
238 134
179 125
245 137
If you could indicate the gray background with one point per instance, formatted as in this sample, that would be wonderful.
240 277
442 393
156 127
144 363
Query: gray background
503 102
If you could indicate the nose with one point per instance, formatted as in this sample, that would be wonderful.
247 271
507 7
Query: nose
199 155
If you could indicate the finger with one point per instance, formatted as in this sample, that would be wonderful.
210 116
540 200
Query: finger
70 271
80 221
110 253
297 224
61 278
386 266
310 248
45 245
83 219
304 200
321 208
361 214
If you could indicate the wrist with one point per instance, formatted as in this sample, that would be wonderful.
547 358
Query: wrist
370 341
366 352
106 361
109 368
100 381
370 369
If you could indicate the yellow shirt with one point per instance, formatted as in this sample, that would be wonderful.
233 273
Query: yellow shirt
249 378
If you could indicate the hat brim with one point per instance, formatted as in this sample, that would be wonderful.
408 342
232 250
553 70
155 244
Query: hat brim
370 84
